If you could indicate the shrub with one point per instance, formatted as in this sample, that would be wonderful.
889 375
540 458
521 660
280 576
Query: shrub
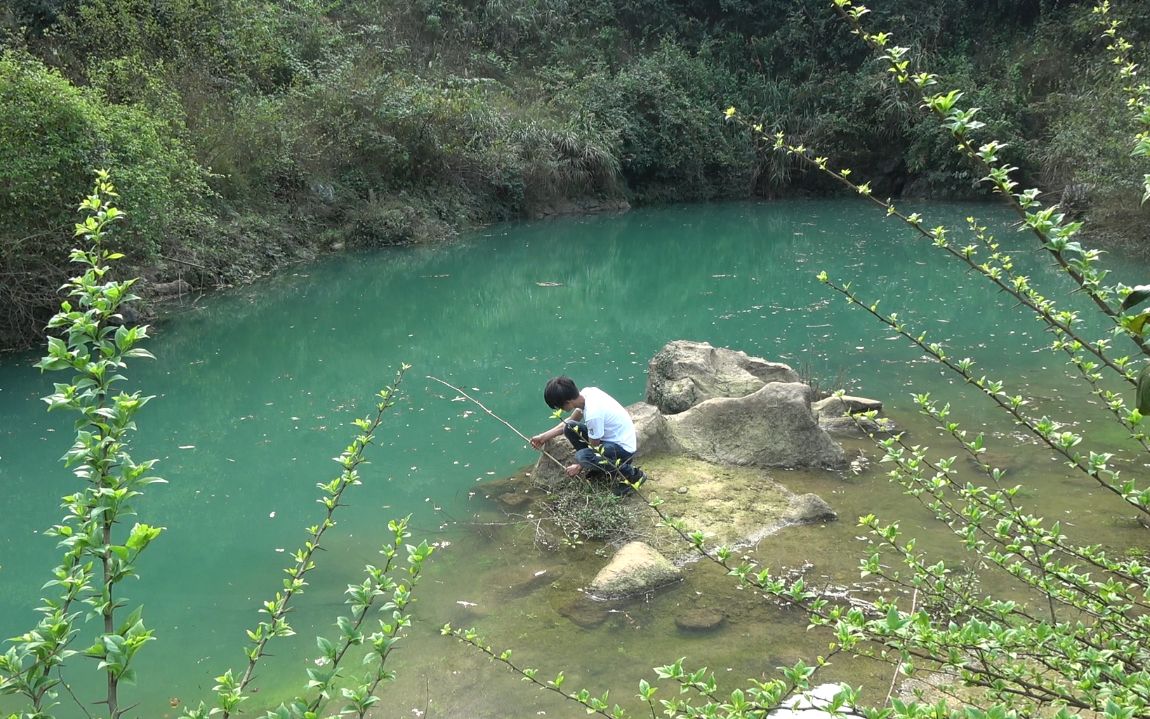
51 134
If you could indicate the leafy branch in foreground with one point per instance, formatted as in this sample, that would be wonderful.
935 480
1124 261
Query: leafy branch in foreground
1089 653
230 691
1053 434
359 695
94 346
698 690
1052 228
1137 92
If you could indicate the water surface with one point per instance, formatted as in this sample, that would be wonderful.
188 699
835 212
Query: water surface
255 389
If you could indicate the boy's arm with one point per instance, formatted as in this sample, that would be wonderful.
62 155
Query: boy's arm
543 437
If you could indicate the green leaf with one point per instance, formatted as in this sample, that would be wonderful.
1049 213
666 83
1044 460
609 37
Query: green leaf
1143 394
1137 296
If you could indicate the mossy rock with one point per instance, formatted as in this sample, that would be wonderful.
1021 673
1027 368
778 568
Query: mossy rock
732 506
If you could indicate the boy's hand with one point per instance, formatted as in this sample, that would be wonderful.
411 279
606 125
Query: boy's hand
538 441
573 469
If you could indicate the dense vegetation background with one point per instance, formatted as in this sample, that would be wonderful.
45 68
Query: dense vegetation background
246 134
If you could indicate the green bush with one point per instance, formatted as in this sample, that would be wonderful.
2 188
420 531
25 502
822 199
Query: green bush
51 136
664 110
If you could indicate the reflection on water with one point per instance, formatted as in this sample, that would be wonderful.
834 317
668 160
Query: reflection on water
256 389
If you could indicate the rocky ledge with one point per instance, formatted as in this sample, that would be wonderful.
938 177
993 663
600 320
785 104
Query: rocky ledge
715 427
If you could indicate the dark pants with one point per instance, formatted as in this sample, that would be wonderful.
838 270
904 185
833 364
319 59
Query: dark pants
608 457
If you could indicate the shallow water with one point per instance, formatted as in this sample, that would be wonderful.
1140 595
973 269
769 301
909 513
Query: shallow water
255 389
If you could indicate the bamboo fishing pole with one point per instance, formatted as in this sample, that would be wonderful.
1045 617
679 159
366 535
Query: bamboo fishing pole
505 422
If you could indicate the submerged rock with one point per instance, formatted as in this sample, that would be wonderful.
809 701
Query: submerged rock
699 619
522 581
685 373
635 569
583 611
514 500
810 508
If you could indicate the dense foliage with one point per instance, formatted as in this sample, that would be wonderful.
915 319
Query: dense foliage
282 129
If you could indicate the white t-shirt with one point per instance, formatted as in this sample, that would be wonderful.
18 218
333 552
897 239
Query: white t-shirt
606 419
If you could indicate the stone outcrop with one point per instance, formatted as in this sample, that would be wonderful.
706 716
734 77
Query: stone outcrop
845 404
685 373
732 506
651 430
772 427
715 424
546 472
809 508
635 569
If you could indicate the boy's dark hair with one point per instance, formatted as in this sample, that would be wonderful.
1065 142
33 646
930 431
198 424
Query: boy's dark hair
559 391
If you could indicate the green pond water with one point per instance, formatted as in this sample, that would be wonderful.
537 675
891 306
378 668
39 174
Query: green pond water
255 389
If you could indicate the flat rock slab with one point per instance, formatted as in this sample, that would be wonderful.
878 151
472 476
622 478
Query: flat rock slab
732 506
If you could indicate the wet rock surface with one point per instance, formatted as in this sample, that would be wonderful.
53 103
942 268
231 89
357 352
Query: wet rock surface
635 569
699 619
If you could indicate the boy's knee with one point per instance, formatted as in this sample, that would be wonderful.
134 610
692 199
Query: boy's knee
587 457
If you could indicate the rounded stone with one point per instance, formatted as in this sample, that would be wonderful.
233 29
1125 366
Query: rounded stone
699 619
636 568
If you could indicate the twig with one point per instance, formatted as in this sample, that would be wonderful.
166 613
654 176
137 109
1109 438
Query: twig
898 667
426 696
505 422
60 674
184 262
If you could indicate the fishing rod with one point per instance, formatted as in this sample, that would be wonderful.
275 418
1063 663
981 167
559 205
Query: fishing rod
503 421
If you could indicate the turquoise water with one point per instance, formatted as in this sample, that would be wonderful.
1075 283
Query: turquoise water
255 389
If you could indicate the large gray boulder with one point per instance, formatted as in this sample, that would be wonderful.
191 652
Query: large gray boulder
652 433
685 373
773 427
635 569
